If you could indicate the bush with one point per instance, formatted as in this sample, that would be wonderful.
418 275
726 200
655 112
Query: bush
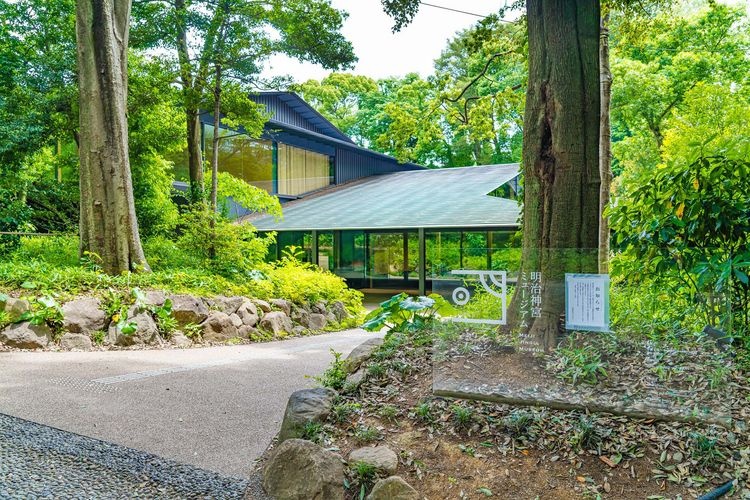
216 243
303 282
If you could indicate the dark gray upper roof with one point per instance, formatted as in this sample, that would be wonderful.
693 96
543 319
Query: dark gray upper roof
439 198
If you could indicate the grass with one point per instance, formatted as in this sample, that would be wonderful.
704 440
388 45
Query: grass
367 434
462 415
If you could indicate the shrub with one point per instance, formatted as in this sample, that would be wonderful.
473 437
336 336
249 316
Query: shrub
219 244
335 375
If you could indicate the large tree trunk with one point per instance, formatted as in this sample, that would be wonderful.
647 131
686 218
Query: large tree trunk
108 225
560 157
605 143
195 156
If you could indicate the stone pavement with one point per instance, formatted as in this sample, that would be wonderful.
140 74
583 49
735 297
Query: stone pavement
216 408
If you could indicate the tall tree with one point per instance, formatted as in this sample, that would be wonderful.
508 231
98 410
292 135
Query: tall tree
108 226
200 32
561 152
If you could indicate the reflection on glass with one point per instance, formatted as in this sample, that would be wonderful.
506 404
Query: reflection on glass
301 171
243 157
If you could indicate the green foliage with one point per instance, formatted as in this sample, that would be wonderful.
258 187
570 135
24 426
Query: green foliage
388 412
586 435
313 431
580 364
44 310
192 331
335 375
303 282
342 412
519 423
692 224
98 337
248 196
704 449
423 411
364 477
462 415
402 313
367 434
219 244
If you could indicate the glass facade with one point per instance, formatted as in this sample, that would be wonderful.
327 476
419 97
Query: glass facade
274 166
301 171
390 259
248 159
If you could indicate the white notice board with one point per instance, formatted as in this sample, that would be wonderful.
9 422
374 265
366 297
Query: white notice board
587 302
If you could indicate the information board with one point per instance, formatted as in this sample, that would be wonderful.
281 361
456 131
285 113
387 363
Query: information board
587 302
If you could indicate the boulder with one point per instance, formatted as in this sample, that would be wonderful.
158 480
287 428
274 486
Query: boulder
354 380
319 307
146 330
339 310
155 298
180 339
263 305
299 331
75 341
282 305
187 309
317 321
381 457
277 323
301 316
16 307
306 405
247 332
393 488
361 353
228 305
26 336
218 327
302 470
236 320
84 315
248 313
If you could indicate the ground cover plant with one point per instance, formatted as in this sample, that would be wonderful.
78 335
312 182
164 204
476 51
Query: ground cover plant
49 266
451 448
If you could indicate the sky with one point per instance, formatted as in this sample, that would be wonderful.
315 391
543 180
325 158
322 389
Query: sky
382 53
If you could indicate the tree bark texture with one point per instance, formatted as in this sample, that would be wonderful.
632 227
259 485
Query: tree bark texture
605 143
560 156
108 225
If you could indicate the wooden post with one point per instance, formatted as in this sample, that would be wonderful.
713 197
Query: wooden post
422 263
314 248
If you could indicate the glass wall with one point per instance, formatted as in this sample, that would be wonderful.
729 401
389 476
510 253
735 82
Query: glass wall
248 159
301 171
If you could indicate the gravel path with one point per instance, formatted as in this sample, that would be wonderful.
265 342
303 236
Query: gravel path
37 461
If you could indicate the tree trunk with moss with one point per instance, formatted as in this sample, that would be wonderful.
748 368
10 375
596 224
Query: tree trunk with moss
560 158
605 143
108 225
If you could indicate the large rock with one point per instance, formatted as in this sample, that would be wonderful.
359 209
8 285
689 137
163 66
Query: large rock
302 470
263 305
247 332
248 313
228 305
75 341
84 315
146 330
277 323
319 307
187 309
317 321
219 327
26 336
301 316
354 380
155 298
381 457
339 310
393 488
361 353
180 339
236 320
16 307
306 405
282 305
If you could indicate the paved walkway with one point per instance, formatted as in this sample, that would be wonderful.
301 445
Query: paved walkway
216 408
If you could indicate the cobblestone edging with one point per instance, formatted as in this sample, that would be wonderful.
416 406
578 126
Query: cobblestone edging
37 461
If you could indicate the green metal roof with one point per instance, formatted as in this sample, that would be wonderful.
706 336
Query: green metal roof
439 198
